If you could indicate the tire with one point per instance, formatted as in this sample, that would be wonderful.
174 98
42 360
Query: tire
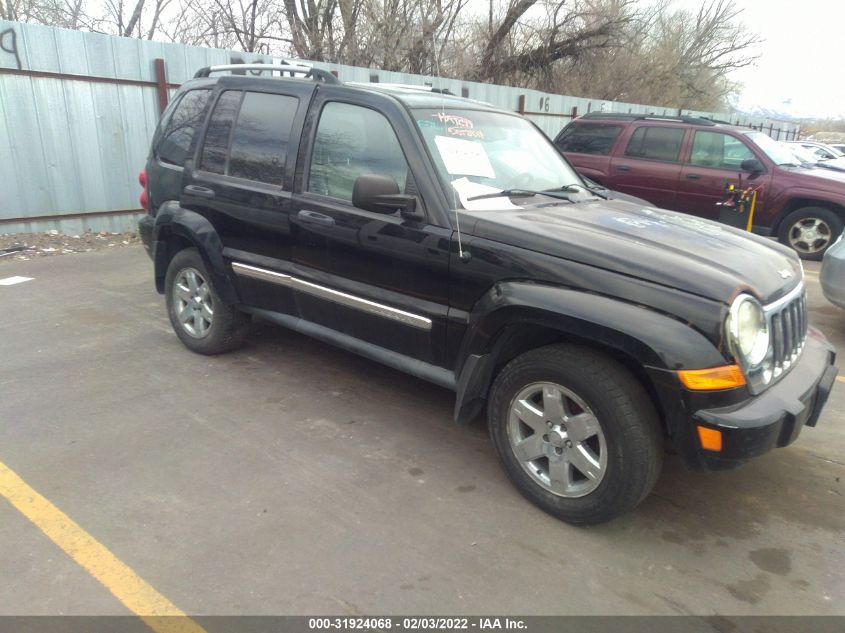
624 455
200 318
810 231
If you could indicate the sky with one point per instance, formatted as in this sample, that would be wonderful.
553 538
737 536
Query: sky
799 71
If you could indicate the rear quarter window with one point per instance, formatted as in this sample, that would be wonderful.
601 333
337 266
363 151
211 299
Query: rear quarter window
175 141
588 138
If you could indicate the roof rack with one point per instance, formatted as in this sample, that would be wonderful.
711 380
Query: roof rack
306 71
364 84
692 120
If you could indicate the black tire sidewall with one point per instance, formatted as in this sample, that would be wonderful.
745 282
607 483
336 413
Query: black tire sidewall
627 418
833 221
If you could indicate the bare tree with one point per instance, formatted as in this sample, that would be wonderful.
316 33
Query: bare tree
623 50
67 14
525 46
669 57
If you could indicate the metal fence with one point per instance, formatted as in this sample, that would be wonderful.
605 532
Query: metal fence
77 111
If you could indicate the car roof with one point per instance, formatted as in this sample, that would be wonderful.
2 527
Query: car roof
409 95
425 97
683 120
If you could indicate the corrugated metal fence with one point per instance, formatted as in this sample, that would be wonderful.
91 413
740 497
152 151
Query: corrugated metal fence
77 111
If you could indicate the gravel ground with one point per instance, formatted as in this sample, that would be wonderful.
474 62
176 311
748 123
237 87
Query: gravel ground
23 246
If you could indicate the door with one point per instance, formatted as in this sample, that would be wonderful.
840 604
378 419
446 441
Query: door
714 162
377 277
650 166
242 179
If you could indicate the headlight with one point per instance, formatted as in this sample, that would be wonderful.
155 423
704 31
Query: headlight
748 331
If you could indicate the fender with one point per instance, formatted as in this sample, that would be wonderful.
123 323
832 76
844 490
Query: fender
653 339
824 197
173 221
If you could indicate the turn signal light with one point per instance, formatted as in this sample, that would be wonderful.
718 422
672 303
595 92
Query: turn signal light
712 379
711 439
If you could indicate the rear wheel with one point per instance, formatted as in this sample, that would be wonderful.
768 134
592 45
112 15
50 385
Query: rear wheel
200 318
575 432
810 231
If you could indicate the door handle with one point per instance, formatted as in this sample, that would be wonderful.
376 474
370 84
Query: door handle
317 219
623 168
199 192
693 177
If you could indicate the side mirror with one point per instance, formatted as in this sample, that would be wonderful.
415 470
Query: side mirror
752 166
380 194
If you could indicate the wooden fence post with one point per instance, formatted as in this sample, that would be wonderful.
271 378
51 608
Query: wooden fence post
161 85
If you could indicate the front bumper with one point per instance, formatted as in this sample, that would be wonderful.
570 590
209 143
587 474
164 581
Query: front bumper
145 230
775 417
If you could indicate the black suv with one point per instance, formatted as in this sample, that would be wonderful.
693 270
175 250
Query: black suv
451 240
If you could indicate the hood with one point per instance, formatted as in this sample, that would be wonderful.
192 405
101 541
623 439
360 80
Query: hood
826 178
837 164
672 249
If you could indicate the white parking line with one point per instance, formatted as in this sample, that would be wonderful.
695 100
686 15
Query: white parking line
11 281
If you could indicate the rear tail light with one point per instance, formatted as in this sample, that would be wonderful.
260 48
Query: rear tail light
144 199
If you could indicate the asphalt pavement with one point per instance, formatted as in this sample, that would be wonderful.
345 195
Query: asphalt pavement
293 478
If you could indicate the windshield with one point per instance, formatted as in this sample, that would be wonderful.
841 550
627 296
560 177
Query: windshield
773 149
478 153
828 149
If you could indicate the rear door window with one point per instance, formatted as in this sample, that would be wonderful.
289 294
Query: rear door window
175 142
261 137
656 143
588 138
256 147
215 148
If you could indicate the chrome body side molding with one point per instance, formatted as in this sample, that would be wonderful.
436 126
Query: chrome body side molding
335 296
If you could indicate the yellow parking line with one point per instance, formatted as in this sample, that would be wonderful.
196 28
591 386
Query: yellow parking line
840 378
134 592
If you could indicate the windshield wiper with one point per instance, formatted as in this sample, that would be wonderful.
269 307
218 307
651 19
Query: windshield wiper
575 187
510 193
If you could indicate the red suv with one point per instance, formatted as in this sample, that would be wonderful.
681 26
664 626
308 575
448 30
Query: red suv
684 164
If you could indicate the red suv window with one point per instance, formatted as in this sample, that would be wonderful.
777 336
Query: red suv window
656 143
588 138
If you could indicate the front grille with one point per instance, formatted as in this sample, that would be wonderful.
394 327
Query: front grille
788 326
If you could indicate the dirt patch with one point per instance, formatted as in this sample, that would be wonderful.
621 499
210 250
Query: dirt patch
23 246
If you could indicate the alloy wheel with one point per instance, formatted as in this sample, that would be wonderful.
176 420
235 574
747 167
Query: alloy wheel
193 302
557 439
810 235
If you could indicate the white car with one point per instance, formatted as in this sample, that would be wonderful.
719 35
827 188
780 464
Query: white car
823 151
808 158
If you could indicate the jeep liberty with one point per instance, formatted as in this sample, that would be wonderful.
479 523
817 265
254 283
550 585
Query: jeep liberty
451 240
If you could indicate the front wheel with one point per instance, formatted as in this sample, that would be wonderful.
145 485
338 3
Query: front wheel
576 433
810 231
